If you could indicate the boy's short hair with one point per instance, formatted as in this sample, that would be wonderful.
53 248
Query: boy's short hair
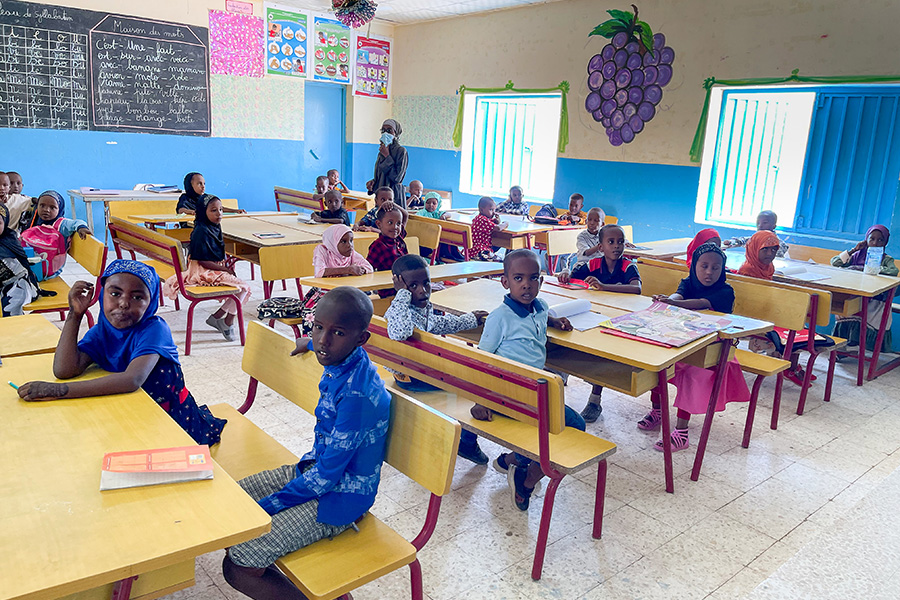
517 254
516 187
321 177
385 208
332 194
384 188
483 201
356 307
408 262
609 227
768 213
576 196
12 173
330 171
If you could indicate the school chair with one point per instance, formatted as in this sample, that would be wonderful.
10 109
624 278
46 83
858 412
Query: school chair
610 220
821 256
168 251
298 198
421 444
429 235
454 233
560 242
90 253
123 209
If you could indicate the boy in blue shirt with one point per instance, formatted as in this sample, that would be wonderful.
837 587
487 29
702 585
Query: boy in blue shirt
334 484
517 330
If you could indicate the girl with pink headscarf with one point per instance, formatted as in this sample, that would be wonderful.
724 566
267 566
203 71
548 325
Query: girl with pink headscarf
848 327
335 257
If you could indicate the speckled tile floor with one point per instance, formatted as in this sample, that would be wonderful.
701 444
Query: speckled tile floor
740 525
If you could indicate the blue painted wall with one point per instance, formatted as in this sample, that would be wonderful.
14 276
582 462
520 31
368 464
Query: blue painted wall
246 169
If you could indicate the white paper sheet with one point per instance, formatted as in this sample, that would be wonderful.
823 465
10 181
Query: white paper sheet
579 314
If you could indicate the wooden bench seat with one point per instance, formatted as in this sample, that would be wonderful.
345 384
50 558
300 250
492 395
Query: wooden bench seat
91 254
530 401
422 444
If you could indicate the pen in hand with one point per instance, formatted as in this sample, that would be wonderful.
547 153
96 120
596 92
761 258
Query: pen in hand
14 386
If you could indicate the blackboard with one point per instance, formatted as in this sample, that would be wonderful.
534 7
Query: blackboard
67 68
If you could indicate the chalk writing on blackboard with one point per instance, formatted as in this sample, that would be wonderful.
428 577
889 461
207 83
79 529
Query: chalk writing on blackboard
148 76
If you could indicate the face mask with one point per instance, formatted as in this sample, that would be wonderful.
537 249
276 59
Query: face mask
387 138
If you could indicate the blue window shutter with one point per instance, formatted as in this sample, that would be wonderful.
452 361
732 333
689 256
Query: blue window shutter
852 163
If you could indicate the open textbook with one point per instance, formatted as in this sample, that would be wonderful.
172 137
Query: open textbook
795 271
579 314
666 325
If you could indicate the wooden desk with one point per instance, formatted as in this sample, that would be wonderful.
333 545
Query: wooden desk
61 534
290 220
519 232
662 249
27 334
628 366
183 218
352 200
381 280
120 195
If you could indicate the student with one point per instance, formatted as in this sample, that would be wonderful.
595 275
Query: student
432 207
321 188
483 227
16 204
334 257
761 249
18 285
704 236
765 221
334 181
848 327
389 246
610 272
587 243
335 483
415 200
208 267
514 204
194 189
334 212
575 216
367 223
15 187
760 253
51 208
15 182
132 343
705 288
517 330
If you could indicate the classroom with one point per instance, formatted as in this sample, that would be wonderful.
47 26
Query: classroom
472 250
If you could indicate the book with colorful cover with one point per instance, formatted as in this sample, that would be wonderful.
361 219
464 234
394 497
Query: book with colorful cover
136 468
666 324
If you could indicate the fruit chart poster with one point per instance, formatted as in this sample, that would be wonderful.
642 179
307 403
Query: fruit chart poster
373 68
332 57
286 42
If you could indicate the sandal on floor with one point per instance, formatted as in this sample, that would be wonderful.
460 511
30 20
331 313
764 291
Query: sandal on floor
679 440
652 420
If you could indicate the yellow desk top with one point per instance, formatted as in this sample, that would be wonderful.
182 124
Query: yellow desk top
183 218
634 302
290 220
487 294
111 195
27 334
384 279
61 534
840 281
661 248
242 228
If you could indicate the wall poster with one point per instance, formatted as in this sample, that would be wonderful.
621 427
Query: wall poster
286 41
333 43
373 68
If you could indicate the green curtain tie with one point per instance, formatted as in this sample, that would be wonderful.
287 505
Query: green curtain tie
563 88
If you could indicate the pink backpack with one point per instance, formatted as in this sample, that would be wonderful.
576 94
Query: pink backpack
48 243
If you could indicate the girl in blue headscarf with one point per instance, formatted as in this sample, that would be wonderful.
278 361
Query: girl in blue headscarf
132 343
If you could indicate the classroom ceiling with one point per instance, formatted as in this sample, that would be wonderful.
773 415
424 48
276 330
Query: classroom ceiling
402 12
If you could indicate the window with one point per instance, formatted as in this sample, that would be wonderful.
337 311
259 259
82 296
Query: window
510 140
824 158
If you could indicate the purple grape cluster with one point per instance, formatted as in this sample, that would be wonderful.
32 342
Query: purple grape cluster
626 82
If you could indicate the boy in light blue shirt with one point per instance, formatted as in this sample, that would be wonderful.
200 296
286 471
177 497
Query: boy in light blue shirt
517 330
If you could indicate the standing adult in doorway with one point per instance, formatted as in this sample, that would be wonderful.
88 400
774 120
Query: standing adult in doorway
390 166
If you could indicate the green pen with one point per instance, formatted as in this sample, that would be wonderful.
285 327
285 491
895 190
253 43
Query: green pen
14 386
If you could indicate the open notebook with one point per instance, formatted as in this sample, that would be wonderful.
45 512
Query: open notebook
579 314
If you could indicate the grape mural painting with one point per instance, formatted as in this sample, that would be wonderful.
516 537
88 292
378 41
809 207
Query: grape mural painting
626 79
